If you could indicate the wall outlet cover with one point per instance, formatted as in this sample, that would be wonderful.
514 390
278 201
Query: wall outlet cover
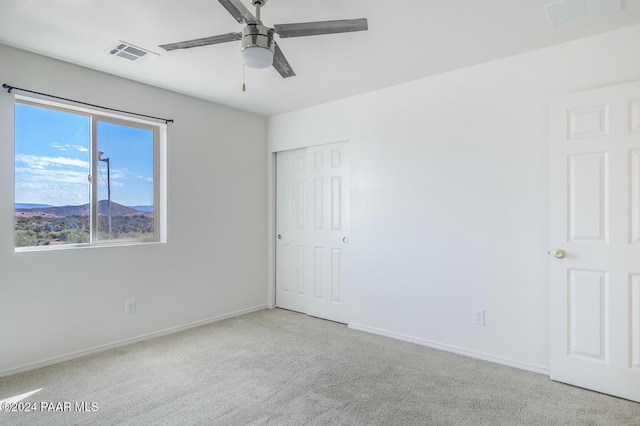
478 317
130 306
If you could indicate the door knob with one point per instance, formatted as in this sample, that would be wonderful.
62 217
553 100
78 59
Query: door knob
345 240
279 236
559 253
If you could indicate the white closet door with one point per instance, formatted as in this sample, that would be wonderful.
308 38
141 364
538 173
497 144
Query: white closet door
292 230
329 230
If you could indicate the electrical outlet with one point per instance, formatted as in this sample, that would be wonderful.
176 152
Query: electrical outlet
130 306
478 317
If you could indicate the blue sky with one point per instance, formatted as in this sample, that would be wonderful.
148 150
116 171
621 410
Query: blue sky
52 159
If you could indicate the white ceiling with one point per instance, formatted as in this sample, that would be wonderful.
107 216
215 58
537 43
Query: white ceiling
406 40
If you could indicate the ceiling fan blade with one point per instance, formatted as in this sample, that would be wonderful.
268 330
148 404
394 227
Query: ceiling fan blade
322 27
281 64
238 11
222 38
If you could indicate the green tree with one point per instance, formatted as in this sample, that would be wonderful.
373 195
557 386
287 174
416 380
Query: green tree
26 238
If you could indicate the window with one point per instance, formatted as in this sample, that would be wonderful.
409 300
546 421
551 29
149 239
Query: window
82 178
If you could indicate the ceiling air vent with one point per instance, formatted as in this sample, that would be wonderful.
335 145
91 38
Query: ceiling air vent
565 12
130 52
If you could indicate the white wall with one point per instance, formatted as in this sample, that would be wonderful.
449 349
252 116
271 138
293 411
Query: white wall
55 304
449 196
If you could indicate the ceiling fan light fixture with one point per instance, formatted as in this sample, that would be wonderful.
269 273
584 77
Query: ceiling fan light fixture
257 57
257 46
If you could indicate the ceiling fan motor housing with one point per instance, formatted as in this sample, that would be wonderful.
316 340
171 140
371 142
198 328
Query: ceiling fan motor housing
257 35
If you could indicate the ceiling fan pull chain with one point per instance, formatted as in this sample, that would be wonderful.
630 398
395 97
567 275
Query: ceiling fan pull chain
244 87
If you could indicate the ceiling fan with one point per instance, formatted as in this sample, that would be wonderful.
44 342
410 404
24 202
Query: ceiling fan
259 49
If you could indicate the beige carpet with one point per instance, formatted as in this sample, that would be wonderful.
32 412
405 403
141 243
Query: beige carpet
282 368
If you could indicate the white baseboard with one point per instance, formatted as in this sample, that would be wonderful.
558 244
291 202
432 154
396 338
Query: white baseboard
448 348
130 341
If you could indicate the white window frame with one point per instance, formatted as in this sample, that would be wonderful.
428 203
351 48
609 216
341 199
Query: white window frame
159 172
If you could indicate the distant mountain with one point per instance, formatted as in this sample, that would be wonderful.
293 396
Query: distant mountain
143 208
83 210
117 209
30 205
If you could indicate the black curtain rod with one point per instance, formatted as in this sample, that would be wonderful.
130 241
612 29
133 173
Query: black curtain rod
10 88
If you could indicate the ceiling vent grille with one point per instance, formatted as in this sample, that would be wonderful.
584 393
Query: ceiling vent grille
565 12
130 52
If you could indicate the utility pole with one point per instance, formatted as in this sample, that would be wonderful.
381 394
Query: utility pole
106 160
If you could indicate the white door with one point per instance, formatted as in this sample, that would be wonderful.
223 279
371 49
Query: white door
292 229
328 233
595 219
312 226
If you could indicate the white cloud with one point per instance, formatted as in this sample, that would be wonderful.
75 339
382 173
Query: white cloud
41 162
59 147
51 180
68 147
24 174
54 193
